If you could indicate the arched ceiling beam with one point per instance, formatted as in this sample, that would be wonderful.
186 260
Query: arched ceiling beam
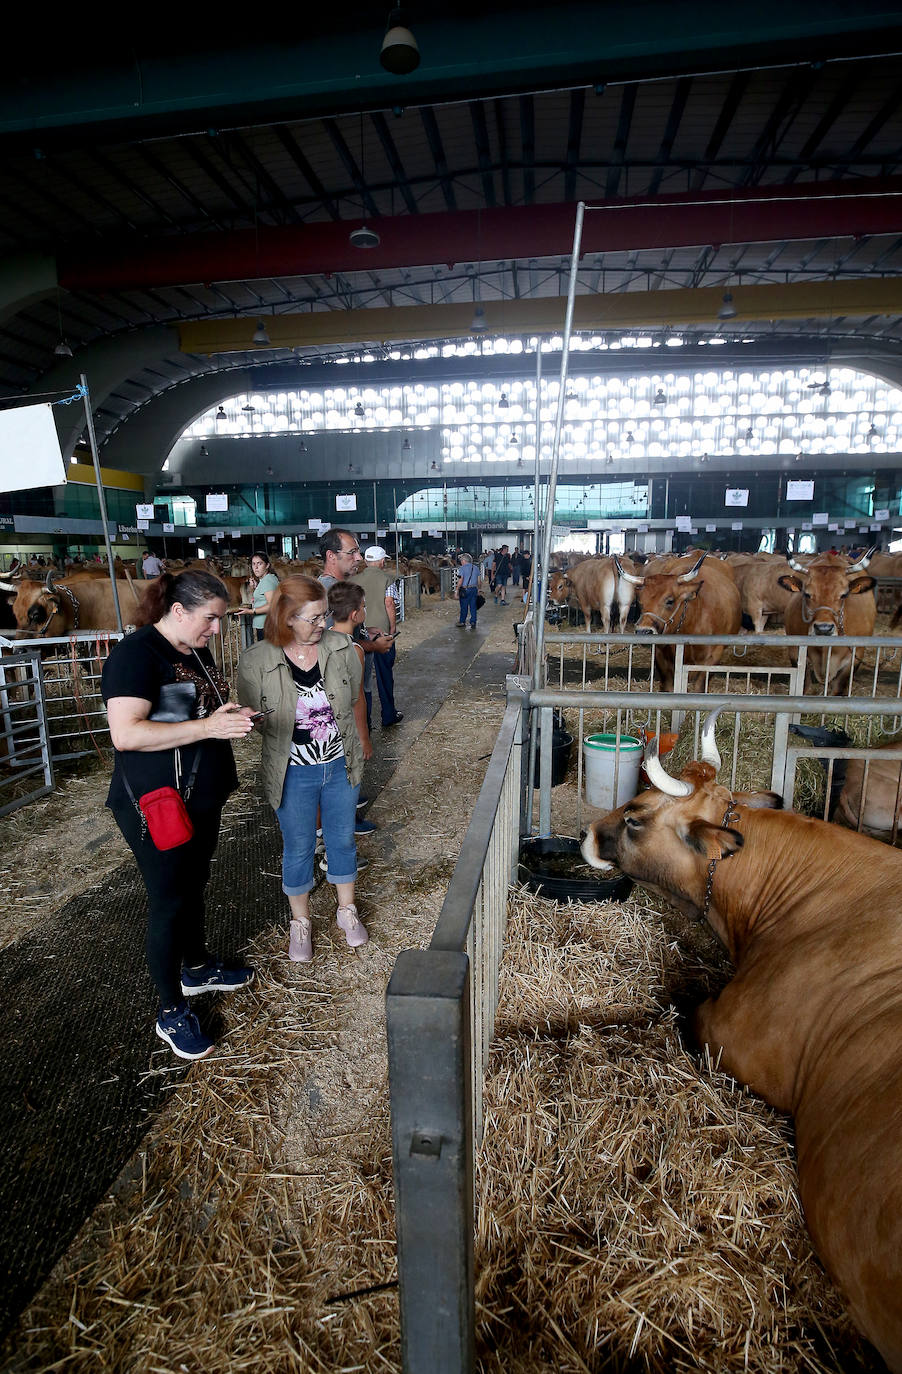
107 363
756 215
143 442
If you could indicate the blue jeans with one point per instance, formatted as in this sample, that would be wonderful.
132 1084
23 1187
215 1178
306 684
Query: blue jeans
468 603
385 684
308 786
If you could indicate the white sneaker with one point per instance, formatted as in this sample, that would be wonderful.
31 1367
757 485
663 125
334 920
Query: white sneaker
351 924
300 945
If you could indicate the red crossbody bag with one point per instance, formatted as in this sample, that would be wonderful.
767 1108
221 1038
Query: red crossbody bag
164 815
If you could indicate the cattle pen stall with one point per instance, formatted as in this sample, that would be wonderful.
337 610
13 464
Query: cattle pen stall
442 1002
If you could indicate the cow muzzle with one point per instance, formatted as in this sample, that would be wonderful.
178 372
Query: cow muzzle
646 630
591 851
824 628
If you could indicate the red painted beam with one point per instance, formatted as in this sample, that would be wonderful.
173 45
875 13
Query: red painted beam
761 215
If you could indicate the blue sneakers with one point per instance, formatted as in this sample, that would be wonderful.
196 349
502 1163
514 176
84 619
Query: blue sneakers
180 1028
215 977
363 827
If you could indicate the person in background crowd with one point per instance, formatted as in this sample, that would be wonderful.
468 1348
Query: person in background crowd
516 565
379 589
308 679
502 574
150 565
264 582
468 590
347 606
525 571
171 724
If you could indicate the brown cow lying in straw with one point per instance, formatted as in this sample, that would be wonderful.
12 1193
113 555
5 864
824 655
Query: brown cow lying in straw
812 1019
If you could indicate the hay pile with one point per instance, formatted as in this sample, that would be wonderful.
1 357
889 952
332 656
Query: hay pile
637 1210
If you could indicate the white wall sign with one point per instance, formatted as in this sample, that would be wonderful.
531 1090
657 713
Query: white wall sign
192 541
270 539
143 524
382 534
167 528
833 528
864 529
642 529
346 502
849 524
710 529
800 491
736 525
315 523
217 500
821 517
736 496
806 527
684 523
881 514
235 534
144 512
433 534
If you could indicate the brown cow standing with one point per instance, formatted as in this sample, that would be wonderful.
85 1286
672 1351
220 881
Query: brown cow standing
830 598
812 1018
760 590
53 608
881 791
596 584
686 599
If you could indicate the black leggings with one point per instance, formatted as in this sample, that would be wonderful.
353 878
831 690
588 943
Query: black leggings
175 880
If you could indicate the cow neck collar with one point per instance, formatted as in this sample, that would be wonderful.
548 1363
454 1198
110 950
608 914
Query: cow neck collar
731 814
664 623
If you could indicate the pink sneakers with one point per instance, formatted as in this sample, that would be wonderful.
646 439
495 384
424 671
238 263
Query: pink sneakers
351 924
300 945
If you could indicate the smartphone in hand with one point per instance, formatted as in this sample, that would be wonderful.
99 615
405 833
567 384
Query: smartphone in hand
260 715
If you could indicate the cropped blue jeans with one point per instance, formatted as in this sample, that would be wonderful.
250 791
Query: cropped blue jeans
309 786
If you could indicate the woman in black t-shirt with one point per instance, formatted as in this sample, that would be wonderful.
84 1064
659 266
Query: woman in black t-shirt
171 723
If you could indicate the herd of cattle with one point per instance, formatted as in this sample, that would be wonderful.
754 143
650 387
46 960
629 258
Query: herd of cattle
825 596
53 604
812 1018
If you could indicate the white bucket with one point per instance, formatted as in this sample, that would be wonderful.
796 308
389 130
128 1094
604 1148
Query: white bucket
600 757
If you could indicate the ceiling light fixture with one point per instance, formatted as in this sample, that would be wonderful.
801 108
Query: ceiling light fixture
248 409
434 467
727 309
660 398
873 431
62 350
260 334
364 237
400 54
203 451
220 414
359 410
504 403
302 447
405 447
478 324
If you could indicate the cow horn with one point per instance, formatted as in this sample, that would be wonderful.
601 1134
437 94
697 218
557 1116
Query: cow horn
863 561
692 574
710 753
48 584
796 567
659 777
633 580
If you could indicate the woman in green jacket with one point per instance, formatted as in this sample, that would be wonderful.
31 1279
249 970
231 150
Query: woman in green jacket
307 679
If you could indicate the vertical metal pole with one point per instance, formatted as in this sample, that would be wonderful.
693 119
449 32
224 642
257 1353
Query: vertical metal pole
537 579
100 496
375 517
556 449
394 499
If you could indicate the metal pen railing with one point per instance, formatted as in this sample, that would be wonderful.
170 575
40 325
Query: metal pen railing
26 767
440 1009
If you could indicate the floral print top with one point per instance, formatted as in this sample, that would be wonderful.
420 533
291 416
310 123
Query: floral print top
316 737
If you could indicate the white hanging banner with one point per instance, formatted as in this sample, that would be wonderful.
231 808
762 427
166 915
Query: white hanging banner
346 502
799 491
710 529
143 525
167 528
684 523
881 514
29 449
820 517
144 512
736 496
217 500
736 525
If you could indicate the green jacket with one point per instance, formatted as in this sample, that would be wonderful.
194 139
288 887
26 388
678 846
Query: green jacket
264 679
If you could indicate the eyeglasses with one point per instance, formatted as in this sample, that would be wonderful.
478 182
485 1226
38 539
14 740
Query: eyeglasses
351 552
312 619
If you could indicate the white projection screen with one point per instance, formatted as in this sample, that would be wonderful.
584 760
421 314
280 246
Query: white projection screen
29 449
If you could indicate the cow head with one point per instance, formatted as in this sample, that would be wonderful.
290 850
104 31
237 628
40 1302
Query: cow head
559 588
824 586
36 606
663 597
668 836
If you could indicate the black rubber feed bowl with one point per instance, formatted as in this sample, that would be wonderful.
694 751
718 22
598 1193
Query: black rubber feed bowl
543 869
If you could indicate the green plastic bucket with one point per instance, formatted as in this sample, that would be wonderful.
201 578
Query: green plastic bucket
604 765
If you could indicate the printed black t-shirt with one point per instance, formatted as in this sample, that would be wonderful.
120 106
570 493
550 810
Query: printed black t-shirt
139 666
316 737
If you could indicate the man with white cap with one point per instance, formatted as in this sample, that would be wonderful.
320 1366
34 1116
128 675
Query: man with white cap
381 615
